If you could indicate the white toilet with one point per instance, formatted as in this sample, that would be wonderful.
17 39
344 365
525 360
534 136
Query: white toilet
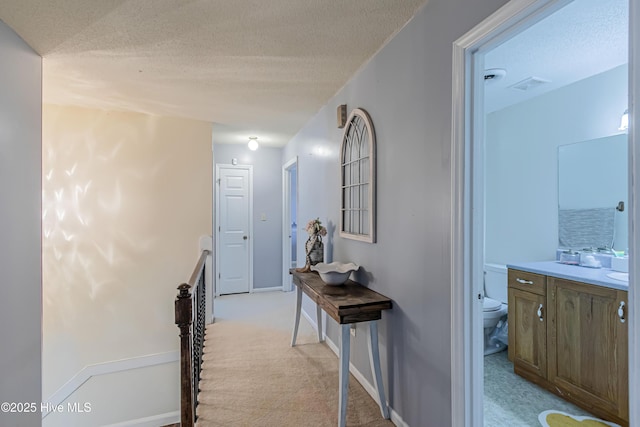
495 304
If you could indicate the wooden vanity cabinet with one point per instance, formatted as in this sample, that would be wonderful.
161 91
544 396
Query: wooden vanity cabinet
587 346
569 338
527 324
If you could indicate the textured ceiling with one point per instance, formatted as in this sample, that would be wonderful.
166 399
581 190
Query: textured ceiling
584 38
255 67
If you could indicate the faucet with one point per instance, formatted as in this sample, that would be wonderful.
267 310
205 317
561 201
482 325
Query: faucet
606 250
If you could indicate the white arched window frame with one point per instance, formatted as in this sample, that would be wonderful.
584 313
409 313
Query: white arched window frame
358 178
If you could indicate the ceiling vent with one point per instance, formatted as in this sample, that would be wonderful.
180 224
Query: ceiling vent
529 83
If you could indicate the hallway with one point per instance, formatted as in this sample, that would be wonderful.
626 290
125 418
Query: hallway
251 376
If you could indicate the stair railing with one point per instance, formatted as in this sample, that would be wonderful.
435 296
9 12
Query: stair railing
190 316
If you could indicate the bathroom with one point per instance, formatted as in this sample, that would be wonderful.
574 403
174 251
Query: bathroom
553 143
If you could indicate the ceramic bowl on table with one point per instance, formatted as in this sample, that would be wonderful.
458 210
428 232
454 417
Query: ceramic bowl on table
335 273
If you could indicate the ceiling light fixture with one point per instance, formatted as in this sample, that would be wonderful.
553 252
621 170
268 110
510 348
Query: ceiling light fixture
493 75
253 143
624 120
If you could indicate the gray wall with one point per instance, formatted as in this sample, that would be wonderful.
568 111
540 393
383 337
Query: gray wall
522 162
406 88
20 211
267 200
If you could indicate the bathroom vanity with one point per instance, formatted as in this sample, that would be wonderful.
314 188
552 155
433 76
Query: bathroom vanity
568 334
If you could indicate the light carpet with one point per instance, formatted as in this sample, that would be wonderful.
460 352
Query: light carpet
253 377
560 419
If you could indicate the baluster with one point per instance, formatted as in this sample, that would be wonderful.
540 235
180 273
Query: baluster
184 320
190 306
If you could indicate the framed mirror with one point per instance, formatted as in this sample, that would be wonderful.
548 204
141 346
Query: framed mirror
358 178
592 181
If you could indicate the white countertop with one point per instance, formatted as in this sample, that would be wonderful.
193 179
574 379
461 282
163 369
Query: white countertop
593 276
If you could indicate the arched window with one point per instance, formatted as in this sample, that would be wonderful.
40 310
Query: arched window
358 167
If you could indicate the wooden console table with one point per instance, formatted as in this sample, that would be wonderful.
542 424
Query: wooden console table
346 304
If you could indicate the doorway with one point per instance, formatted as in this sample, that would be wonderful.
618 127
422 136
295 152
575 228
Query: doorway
468 227
234 240
289 221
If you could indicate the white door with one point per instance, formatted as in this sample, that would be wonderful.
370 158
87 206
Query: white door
234 229
289 220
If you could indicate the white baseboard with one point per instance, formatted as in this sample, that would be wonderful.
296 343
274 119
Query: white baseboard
395 417
154 421
271 289
313 322
90 371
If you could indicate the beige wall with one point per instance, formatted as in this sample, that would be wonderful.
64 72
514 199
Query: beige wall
125 198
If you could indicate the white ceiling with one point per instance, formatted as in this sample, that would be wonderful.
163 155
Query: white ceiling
254 67
584 38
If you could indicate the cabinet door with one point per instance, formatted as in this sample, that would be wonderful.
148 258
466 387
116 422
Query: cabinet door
527 333
587 344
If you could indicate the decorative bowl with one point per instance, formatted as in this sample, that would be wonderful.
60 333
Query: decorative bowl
334 273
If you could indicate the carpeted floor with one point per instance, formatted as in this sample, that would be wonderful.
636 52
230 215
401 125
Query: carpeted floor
252 377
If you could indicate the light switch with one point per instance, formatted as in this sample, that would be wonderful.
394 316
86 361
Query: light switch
263 217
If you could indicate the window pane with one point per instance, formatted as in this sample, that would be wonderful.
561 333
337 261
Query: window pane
365 196
365 219
352 220
364 170
355 221
346 198
354 201
345 220
347 174
354 173
364 148
355 149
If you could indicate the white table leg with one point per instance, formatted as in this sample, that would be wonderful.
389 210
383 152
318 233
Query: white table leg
374 361
345 344
319 322
296 321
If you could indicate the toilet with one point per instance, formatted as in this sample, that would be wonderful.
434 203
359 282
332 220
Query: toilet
494 305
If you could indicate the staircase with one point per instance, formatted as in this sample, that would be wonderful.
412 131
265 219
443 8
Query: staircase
190 316
251 376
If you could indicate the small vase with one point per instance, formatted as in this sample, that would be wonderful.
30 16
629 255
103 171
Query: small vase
315 249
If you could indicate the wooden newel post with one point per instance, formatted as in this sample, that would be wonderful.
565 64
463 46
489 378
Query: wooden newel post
184 320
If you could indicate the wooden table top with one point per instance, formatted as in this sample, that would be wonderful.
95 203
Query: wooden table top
348 303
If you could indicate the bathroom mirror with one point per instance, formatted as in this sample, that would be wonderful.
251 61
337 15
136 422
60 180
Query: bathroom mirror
592 180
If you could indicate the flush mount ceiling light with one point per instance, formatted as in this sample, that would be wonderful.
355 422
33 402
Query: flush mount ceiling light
253 143
493 75
624 120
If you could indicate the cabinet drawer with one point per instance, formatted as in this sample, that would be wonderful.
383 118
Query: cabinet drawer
528 282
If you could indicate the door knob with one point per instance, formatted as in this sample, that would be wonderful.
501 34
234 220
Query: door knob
244 237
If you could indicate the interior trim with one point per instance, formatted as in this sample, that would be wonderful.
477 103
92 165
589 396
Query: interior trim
165 419
466 229
90 371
